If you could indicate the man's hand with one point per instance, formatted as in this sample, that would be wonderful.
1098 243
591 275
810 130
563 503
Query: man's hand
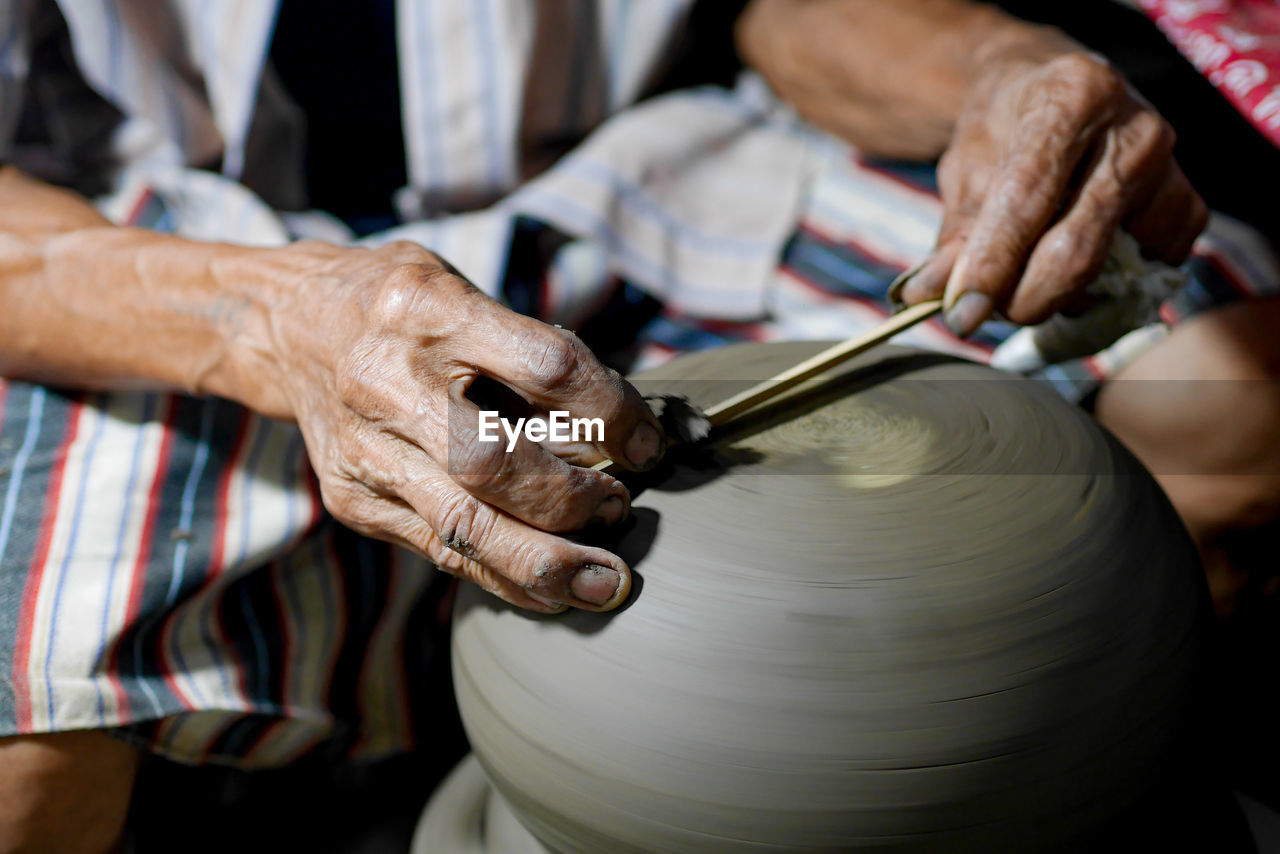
1046 152
376 355
372 352
1050 156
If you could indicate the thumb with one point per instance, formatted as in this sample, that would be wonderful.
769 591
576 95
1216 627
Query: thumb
928 280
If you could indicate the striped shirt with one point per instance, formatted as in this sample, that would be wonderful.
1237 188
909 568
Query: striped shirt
486 87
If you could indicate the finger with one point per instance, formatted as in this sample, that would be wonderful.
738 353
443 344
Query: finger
494 459
391 520
964 175
1181 248
577 453
1070 255
962 185
1066 260
1167 224
489 394
543 565
929 281
553 369
1013 218
546 365
962 203
1026 193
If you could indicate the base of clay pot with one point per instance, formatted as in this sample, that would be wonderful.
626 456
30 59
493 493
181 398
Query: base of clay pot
466 815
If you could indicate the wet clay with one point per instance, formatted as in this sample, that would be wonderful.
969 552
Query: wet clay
922 607
680 419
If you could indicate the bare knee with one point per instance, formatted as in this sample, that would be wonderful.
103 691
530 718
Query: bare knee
1202 411
64 792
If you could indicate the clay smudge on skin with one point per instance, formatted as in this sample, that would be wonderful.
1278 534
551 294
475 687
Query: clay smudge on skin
458 544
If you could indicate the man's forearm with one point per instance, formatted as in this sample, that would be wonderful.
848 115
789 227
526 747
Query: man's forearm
891 76
87 304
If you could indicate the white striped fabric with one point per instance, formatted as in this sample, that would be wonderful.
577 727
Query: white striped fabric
632 35
187 72
701 232
133 53
462 68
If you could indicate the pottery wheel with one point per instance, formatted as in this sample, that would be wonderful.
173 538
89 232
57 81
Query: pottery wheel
923 606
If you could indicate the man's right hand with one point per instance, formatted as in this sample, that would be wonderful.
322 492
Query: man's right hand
375 354
372 353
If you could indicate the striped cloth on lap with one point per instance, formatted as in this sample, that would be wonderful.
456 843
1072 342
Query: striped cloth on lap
167 569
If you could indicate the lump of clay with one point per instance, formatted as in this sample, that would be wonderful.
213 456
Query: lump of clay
922 607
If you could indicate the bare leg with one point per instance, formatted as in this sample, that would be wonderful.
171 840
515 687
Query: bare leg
1214 445
64 793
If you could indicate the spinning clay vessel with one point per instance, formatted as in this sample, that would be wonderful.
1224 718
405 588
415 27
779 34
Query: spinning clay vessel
918 605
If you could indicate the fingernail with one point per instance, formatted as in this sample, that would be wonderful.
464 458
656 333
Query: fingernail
644 445
596 584
968 312
898 287
610 511
915 290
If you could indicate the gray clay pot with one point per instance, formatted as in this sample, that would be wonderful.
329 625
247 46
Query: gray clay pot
922 607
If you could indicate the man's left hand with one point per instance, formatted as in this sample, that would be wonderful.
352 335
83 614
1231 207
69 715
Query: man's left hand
1052 153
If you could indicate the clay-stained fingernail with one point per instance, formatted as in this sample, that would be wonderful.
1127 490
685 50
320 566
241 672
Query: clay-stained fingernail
610 512
968 312
596 584
644 445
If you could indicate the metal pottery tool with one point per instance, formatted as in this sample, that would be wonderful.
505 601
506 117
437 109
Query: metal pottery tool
769 389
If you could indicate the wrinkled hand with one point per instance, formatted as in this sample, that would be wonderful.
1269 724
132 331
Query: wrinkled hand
377 353
1052 153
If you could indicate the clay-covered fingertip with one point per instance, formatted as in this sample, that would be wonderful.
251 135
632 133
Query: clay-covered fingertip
645 447
612 510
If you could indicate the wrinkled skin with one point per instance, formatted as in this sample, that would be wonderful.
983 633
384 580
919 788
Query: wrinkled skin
380 397
1049 158
372 353
1045 150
